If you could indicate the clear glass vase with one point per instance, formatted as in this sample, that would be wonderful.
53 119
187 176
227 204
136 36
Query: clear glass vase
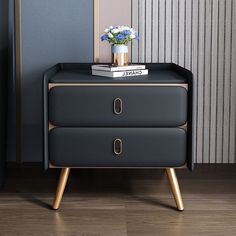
120 55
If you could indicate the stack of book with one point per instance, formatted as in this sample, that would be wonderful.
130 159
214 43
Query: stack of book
124 71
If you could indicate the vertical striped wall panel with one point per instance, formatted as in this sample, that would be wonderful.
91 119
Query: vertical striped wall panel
201 36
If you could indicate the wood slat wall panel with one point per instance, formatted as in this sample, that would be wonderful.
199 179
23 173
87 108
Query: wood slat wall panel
141 27
175 30
227 74
201 36
182 24
200 78
135 24
194 64
213 81
168 31
188 32
220 90
148 31
207 82
162 22
155 30
232 156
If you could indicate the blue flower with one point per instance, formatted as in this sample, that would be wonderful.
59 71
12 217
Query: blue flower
104 37
126 32
136 37
120 37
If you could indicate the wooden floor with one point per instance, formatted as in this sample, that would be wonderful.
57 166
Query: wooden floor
119 202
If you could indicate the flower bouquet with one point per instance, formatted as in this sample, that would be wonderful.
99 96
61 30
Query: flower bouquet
118 37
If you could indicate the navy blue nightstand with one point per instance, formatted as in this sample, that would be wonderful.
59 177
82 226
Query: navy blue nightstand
133 122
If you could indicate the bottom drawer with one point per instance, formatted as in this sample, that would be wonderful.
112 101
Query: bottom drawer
117 147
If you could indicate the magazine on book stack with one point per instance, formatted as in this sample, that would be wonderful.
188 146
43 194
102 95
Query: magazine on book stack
118 68
124 71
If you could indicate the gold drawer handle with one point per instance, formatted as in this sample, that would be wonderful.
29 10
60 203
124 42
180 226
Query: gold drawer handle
118 106
117 146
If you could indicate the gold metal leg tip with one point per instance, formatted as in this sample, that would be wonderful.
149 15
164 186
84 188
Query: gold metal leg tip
54 208
180 208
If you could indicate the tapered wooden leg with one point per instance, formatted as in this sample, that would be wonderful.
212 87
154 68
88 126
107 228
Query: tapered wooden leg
61 187
175 188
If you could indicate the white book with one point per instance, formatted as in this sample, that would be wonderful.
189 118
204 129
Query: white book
120 73
118 68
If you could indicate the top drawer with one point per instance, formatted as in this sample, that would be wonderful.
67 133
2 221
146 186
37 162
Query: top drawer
146 106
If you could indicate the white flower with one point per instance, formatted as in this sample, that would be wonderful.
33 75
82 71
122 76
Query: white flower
119 34
110 35
132 30
115 31
125 28
132 36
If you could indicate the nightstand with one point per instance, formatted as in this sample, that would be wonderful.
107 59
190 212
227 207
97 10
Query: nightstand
133 122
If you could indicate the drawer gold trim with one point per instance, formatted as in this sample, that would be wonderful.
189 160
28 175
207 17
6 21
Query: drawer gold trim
52 85
51 166
51 126
184 126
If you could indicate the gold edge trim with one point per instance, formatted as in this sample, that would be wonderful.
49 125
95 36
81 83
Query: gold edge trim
96 30
52 85
184 126
51 166
51 126
17 20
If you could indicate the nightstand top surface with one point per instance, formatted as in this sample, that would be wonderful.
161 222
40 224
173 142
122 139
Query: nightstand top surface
82 73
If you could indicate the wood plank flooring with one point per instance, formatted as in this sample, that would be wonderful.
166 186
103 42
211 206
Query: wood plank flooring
119 203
